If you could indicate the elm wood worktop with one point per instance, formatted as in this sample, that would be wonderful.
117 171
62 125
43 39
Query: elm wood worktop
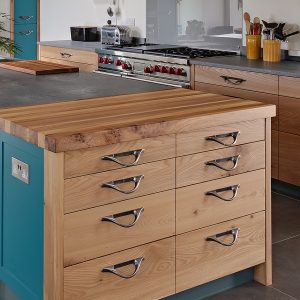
72 125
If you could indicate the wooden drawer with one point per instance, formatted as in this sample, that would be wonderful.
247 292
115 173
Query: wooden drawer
199 261
88 161
289 162
289 121
252 81
275 154
194 169
88 236
243 94
88 191
289 86
196 209
155 279
74 55
82 67
195 142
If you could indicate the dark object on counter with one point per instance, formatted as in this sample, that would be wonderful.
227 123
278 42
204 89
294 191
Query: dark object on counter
85 34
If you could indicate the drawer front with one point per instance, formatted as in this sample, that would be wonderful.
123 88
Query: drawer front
220 137
85 57
289 163
220 200
275 154
82 67
113 186
154 280
116 156
252 81
207 166
243 94
111 228
26 38
199 259
289 86
289 121
25 12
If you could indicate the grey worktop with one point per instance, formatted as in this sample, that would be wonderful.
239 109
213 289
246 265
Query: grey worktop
86 46
17 89
283 68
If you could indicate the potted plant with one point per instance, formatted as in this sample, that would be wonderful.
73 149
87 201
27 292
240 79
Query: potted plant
6 44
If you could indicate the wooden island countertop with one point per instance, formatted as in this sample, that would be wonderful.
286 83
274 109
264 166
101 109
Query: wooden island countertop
74 125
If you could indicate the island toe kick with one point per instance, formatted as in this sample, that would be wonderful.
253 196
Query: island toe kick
160 204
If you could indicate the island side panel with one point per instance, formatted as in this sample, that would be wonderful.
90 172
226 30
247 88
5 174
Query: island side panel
53 228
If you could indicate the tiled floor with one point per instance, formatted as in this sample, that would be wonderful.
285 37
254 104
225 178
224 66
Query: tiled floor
286 257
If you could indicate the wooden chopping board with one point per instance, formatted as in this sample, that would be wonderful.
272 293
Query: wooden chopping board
37 67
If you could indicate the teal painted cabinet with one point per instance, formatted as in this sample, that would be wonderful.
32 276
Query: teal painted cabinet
22 220
25 28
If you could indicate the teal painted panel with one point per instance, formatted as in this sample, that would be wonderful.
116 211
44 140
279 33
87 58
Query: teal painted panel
215 287
25 11
26 39
22 220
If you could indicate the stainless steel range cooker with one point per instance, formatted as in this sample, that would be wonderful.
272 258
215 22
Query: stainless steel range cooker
164 64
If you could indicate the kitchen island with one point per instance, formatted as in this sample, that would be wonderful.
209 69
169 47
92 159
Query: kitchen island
142 193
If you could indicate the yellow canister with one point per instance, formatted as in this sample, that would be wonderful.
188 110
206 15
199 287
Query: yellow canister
272 51
253 46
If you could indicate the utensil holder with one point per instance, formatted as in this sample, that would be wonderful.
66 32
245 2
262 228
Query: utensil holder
272 51
253 45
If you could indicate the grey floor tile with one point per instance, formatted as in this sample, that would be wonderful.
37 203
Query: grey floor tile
286 217
251 291
286 267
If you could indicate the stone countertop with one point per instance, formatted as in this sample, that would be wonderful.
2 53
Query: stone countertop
85 46
19 89
283 68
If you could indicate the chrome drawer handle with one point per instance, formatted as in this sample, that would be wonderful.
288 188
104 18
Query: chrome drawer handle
65 55
217 138
115 157
215 238
113 269
217 162
113 218
216 193
114 184
25 18
26 32
233 80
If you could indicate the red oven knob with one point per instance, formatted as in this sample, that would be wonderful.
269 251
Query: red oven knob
157 68
164 69
100 60
105 60
118 63
172 70
126 66
181 72
148 69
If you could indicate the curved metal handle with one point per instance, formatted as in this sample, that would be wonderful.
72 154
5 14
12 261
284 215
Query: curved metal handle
25 18
217 138
216 193
26 32
115 157
114 184
217 162
215 238
113 218
233 80
113 269
65 55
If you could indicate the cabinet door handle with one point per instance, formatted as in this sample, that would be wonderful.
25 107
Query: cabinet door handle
217 163
114 184
216 193
215 238
65 55
113 269
25 18
115 157
26 32
113 218
233 80
218 138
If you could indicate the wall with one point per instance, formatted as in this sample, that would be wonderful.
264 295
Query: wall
58 15
279 11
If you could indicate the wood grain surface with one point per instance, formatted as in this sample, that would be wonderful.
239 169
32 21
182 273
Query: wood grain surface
36 67
82 124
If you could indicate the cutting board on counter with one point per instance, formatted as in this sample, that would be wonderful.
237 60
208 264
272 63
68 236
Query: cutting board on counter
37 67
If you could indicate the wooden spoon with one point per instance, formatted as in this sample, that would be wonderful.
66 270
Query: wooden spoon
248 27
247 17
